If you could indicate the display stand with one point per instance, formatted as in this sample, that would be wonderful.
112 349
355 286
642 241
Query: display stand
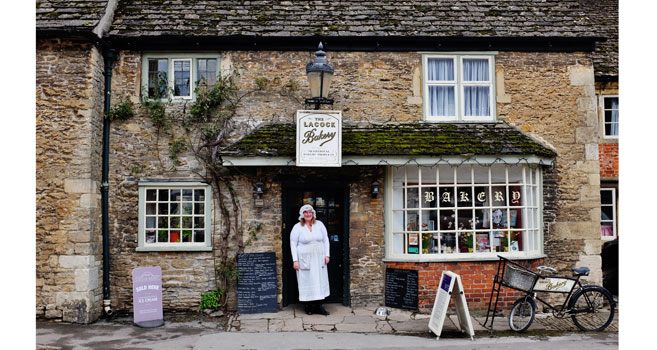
450 283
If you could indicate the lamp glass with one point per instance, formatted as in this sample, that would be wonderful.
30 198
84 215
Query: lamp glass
315 81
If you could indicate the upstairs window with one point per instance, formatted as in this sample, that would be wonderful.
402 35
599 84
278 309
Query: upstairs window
608 213
458 88
610 110
177 76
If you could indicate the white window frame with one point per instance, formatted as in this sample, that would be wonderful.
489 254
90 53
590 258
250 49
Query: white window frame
142 246
171 57
459 85
532 211
614 213
172 78
604 115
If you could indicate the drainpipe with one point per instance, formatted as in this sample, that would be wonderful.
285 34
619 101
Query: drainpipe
109 56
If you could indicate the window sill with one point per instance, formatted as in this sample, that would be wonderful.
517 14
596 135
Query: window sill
465 257
177 248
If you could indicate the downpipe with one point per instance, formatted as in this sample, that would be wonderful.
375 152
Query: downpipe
109 56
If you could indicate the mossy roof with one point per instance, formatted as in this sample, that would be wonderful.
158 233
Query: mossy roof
399 139
69 15
469 18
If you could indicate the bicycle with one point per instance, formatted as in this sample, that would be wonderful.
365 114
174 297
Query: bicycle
591 307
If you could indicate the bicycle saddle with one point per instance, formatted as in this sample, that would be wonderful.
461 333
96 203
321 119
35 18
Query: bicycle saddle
580 271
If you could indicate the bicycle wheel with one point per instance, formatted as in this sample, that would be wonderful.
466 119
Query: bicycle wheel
522 314
592 308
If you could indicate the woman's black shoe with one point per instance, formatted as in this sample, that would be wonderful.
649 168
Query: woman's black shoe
322 311
308 309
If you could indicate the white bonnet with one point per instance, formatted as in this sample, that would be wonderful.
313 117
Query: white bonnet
307 207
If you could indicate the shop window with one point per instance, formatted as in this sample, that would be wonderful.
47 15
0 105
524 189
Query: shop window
468 211
608 211
174 216
178 75
610 110
458 88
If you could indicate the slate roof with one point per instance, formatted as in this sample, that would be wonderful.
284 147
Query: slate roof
471 18
403 139
69 15
604 19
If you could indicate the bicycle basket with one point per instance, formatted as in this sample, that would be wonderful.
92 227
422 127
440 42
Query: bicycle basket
519 279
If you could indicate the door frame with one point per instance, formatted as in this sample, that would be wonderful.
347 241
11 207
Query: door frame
286 187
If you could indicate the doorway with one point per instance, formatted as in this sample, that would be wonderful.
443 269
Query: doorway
331 202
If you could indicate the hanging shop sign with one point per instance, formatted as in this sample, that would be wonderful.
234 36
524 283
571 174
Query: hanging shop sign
147 296
319 138
450 284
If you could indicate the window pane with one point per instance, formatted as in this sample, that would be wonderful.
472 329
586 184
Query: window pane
428 175
447 220
447 243
442 101
447 198
464 196
150 222
481 196
446 174
475 69
150 236
412 198
412 220
175 195
187 195
181 76
207 71
187 236
441 69
199 195
198 208
150 208
428 198
163 195
607 212
163 208
157 77
500 218
465 219
477 100
199 222
611 102
175 222
174 208
606 197
199 236
481 219
151 195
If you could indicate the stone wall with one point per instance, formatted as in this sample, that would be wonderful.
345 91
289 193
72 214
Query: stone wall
547 95
69 106
551 96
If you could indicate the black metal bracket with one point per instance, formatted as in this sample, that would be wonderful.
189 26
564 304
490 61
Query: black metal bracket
318 101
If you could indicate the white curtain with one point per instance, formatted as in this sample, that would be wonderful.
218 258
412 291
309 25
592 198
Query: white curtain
476 98
442 100
613 117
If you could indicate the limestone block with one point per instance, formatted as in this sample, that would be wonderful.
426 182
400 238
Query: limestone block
574 230
593 246
79 186
63 297
86 279
591 151
593 262
585 135
89 200
414 100
581 75
76 261
80 236
590 193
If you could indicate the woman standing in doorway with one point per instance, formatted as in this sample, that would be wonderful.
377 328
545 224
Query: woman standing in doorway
310 252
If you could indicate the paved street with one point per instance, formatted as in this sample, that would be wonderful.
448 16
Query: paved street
290 328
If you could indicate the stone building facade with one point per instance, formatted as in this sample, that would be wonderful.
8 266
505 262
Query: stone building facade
542 94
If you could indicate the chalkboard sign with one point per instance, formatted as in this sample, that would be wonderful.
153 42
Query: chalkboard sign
401 288
256 286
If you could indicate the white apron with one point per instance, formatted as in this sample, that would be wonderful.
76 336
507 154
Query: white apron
309 249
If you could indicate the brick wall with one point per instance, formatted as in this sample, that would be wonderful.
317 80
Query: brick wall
477 278
608 160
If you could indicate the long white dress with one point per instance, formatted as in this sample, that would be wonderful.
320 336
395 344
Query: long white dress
309 249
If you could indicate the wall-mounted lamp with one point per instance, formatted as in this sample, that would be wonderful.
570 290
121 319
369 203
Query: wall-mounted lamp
259 202
375 188
319 74
258 189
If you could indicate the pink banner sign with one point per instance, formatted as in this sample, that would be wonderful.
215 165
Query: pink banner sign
147 296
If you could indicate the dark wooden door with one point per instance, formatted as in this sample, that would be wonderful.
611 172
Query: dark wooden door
329 203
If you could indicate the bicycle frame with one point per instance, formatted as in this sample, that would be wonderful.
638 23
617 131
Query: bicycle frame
561 311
